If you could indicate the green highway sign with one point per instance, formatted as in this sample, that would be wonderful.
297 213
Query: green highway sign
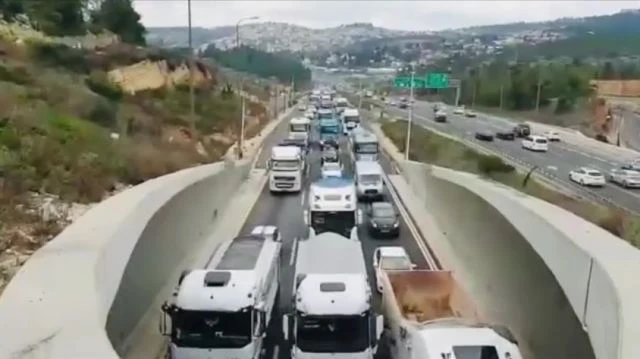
437 80
431 80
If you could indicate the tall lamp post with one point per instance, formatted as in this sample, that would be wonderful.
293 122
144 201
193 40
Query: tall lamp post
192 97
408 140
240 88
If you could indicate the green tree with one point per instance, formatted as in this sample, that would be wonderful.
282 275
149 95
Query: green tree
119 17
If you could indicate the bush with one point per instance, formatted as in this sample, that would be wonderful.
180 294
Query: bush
58 55
16 74
104 113
100 84
493 164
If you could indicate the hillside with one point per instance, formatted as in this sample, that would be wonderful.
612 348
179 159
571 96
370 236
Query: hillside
79 124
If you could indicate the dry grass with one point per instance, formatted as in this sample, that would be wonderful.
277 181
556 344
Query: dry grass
431 148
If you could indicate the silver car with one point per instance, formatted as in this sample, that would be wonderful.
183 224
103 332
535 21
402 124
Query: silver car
625 177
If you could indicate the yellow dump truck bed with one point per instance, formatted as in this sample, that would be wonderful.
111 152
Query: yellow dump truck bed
425 295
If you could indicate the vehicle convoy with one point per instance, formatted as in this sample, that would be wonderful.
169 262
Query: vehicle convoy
426 317
333 206
332 314
364 146
350 120
329 131
225 310
286 168
300 128
625 178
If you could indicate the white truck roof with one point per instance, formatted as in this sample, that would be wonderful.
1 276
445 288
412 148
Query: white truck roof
368 167
233 275
351 112
300 121
285 152
332 194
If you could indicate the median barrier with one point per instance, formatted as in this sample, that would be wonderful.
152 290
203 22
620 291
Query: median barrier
84 293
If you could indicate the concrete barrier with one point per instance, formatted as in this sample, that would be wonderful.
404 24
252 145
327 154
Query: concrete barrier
85 293
530 244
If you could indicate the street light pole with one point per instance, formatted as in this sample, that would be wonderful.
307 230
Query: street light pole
192 97
539 88
408 140
360 94
240 89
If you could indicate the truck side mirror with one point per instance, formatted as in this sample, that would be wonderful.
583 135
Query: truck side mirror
163 327
305 215
285 326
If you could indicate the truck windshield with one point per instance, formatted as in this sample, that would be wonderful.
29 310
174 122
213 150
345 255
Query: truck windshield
369 179
284 165
366 148
325 115
331 334
298 128
330 129
475 352
340 222
355 119
204 329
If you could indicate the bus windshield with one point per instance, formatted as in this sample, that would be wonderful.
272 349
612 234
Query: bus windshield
366 148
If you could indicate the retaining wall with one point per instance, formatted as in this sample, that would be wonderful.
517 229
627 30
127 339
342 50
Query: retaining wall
547 273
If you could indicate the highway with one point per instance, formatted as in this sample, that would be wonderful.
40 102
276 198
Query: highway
286 210
554 164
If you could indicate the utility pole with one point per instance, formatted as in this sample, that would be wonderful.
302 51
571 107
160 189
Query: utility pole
359 94
408 140
539 88
501 96
192 97
473 94
240 90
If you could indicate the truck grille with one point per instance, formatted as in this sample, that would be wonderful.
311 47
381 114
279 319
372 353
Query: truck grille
371 191
284 185
284 178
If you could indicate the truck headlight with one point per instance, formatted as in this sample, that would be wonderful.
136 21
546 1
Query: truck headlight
374 224
395 225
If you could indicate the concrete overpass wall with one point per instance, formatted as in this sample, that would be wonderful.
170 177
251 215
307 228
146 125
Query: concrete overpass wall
105 270
543 271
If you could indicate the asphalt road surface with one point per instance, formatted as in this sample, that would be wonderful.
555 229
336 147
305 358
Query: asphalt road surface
554 164
286 210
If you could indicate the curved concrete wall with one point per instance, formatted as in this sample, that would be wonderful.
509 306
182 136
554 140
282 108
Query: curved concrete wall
536 267
60 302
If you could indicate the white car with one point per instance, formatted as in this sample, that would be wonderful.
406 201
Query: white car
469 113
269 232
390 258
458 111
625 177
552 136
331 169
310 114
302 108
535 143
586 176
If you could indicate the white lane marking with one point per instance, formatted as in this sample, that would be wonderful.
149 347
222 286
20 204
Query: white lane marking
304 195
552 168
294 249
276 351
407 219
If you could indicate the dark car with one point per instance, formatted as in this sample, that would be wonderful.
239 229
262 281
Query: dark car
403 105
506 135
484 136
383 220
522 130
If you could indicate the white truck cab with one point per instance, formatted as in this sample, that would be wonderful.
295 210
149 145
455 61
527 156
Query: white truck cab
364 146
286 168
299 128
225 310
350 120
369 182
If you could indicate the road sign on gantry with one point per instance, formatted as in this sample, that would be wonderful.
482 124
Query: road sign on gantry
437 80
405 82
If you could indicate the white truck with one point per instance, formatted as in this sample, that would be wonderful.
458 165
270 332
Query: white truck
225 310
364 146
286 169
341 104
350 120
332 314
427 315
333 206
369 180
299 128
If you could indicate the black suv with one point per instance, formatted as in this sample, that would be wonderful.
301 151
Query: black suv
384 221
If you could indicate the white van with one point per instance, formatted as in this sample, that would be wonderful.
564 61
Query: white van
535 143
369 184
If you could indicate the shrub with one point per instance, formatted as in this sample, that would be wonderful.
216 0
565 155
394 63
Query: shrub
16 74
58 55
104 113
493 164
100 84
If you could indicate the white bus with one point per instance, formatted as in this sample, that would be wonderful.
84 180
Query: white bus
225 309
286 167
333 206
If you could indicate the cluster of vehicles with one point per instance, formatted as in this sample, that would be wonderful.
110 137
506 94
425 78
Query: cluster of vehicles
231 309
627 176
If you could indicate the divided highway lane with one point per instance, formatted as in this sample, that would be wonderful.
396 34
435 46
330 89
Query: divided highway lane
555 164
286 212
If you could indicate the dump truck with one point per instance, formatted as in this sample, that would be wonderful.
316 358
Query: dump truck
427 315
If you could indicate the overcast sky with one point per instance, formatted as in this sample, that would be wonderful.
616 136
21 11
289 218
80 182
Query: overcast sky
405 15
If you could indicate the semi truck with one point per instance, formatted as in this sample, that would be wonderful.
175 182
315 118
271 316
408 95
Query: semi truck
427 315
299 129
332 314
350 120
364 146
333 206
286 169
228 309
